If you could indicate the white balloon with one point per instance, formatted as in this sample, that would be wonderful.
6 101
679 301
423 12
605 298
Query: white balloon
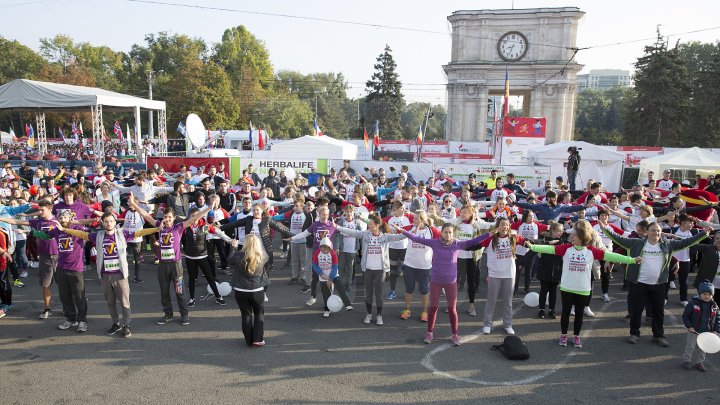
209 289
224 289
290 173
334 303
532 299
709 342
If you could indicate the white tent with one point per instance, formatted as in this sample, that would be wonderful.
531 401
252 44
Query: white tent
310 147
596 163
687 159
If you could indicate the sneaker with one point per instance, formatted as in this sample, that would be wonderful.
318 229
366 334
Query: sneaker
220 301
563 340
157 261
405 314
19 284
572 310
486 330
266 298
326 314
227 272
577 342
391 295
305 289
2 313
368 319
191 303
541 314
552 315
67 325
45 314
633 339
509 330
165 319
23 274
293 281
349 308
606 298
588 312
147 247
378 320
683 303
423 316
34 265
137 280
428 338
185 321
259 344
283 255
7 308
82 327
471 310
126 331
311 301
700 367
687 365
114 328
661 342
673 285
455 339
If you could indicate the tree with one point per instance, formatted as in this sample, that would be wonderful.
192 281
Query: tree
599 115
703 65
284 117
659 112
19 61
385 100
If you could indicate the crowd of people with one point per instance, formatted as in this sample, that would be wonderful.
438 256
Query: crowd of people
70 150
441 235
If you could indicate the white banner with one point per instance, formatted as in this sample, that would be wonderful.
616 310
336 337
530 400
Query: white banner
535 176
515 149
475 148
262 166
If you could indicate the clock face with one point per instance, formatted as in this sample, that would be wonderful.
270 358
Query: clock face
512 46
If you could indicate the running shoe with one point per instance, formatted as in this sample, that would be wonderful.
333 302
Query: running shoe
137 280
700 367
589 312
405 314
486 330
191 303
305 289
368 319
114 328
541 314
633 339
283 255
23 274
147 247
65 325
379 320
185 321
293 281
687 365
683 303
428 338
220 301
311 301
455 339
423 316
165 319
509 330
471 310
156 261
259 344
326 314
606 298
126 331
572 310
2 313
563 340
661 342
672 285
34 265
19 284
577 342
391 295
552 315
349 308
45 314
266 298
82 327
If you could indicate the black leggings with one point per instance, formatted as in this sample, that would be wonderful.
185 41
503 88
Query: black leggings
252 310
219 245
134 247
605 277
204 265
468 267
548 287
568 300
5 288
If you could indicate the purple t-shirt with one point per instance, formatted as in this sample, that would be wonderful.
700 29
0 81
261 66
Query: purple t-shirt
169 239
320 230
70 249
444 260
111 259
45 247
79 210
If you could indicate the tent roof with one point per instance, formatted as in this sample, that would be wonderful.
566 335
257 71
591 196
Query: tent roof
22 93
317 146
588 151
309 140
692 157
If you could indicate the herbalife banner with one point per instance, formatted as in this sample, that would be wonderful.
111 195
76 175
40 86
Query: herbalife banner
261 166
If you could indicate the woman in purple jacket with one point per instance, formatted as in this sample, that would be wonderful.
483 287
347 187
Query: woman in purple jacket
444 274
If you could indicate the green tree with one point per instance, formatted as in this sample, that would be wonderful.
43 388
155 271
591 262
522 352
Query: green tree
19 61
284 117
599 115
385 100
703 65
658 114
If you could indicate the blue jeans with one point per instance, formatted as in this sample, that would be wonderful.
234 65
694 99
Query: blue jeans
20 256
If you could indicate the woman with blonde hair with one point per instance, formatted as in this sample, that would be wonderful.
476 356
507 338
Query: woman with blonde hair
249 280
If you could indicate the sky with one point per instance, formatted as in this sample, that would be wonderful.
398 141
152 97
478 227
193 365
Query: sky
311 46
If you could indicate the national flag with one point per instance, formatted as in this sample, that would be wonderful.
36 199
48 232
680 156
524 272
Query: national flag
250 136
506 108
365 138
181 128
74 129
376 134
261 141
117 130
30 132
14 137
129 137
419 135
316 128
267 138
80 128
65 141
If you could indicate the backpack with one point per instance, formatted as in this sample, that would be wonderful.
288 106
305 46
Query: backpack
513 348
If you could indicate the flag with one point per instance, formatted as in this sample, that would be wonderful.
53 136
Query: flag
129 137
74 129
267 138
250 136
365 138
208 138
261 141
80 128
376 134
181 128
65 141
316 128
506 108
14 137
30 134
419 135
117 130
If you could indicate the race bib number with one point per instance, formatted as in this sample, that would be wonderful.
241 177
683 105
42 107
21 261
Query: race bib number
167 254
111 265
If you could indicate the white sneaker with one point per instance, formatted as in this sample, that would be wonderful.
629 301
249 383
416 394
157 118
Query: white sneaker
572 310
672 285
665 303
23 274
486 330
606 298
509 330
368 319
589 312
326 314
266 298
378 320
683 303
34 265
310 301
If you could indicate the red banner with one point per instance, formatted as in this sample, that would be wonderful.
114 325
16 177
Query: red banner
526 127
172 164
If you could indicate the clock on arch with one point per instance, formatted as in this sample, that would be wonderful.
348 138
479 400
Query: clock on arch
512 46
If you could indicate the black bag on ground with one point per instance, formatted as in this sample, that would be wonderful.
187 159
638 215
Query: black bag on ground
513 348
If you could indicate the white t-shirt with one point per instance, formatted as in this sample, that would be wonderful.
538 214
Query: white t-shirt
651 265
296 224
374 254
683 255
419 256
325 264
402 222
133 223
464 232
500 262
665 184
350 244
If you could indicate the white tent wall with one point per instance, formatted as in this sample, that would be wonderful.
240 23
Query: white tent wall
320 147
596 163
696 159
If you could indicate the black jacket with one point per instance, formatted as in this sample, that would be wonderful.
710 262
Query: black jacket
708 264
194 241
241 278
264 226
551 265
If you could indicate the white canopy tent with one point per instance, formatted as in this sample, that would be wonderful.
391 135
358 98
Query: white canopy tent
596 163
308 146
687 159
22 94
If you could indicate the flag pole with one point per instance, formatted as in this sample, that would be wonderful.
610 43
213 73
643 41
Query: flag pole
424 131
